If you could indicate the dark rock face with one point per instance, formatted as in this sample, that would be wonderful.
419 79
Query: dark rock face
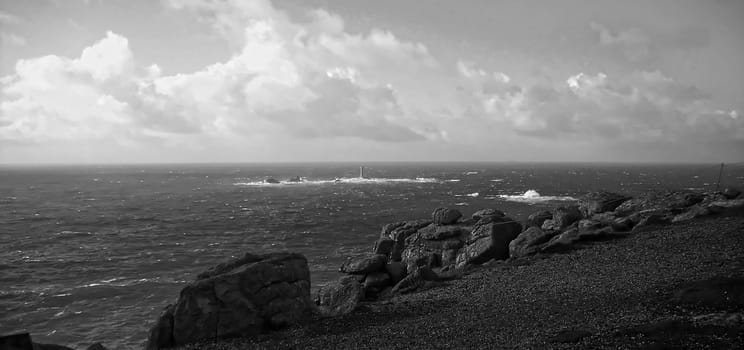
562 242
339 297
271 180
415 280
420 251
396 271
652 219
600 202
364 265
489 241
565 216
731 193
384 246
659 201
399 232
734 207
529 242
240 298
487 212
445 216
440 232
538 218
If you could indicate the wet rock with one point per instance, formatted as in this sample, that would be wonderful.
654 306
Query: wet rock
538 218
339 297
364 265
243 297
445 216
376 281
600 202
529 242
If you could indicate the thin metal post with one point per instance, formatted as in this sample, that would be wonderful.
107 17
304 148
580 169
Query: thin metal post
720 172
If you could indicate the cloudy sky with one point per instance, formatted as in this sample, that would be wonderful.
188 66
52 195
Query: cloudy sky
334 80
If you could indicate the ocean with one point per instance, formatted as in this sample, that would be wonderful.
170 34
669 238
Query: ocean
93 253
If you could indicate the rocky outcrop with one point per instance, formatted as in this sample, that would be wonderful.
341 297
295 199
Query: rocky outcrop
538 218
529 242
489 241
243 297
600 202
662 201
486 213
399 232
562 218
445 216
366 264
339 297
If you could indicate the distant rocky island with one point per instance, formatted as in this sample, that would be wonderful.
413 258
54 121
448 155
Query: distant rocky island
256 295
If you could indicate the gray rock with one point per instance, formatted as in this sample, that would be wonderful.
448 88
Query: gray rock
376 281
562 242
384 246
445 216
420 251
396 271
415 280
600 202
691 213
660 201
489 241
440 232
538 218
487 212
241 298
364 265
339 297
400 233
589 224
529 242
733 207
652 219
731 193
565 216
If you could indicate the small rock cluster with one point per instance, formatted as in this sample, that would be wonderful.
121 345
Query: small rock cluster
409 254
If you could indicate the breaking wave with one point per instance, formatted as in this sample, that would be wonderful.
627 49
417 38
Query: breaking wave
532 196
344 180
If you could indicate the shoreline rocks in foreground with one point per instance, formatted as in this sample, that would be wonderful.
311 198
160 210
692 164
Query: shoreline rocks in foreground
255 294
410 255
241 298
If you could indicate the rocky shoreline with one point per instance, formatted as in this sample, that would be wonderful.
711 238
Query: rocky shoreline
612 271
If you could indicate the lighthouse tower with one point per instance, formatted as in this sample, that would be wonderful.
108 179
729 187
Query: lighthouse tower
361 172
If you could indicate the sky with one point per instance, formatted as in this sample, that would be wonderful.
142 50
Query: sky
136 81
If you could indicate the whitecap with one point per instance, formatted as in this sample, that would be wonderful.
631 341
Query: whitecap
497 180
532 196
470 173
344 180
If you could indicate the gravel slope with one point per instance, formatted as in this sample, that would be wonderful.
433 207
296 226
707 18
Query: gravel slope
607 295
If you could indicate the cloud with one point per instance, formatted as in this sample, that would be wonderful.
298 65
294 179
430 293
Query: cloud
643 106
12 39
638 45
306 80
9 18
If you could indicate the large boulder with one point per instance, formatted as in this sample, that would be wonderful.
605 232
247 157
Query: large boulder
691 213
420 251
440 232
659 201
489 241
538 218
487 212
415 280
396 270
529 242
339 297
565 216
243 297
364 265
600 202
445 216
731 193
399 232
384 246
733 207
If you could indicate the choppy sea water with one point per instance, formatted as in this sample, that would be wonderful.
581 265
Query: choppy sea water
93 253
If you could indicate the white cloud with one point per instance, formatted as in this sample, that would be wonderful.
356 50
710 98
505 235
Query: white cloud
9 18
12 39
